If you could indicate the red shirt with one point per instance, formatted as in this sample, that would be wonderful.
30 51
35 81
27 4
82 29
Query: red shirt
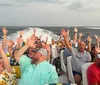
93 74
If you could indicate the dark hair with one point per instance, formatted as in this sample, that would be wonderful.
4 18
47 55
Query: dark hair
34 50
0 57
13 52
93 47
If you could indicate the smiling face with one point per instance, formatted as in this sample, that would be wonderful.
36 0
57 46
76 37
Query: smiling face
31 52
82 46
36 58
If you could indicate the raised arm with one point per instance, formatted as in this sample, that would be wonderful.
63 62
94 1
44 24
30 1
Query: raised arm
80 36
46 39
65 35
19 42
34 33
10 45
89 44
75 35
5 60
4 37
21 33
97 41
30 43
48 51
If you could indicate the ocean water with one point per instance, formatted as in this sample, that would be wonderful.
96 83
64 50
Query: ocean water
52 32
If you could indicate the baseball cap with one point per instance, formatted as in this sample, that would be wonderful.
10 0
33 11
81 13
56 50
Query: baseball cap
43 52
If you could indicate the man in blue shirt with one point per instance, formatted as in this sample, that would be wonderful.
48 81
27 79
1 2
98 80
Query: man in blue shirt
35 71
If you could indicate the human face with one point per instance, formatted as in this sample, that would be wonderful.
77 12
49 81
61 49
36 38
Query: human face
31 52
53 41
10 43
1 65
82 46
36 58
38 41
94 51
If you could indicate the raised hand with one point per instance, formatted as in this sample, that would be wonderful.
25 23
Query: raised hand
64 33
46 39
96 37
80 34
75 30
89 39
4 30
21 33
19 40
30 42
10 43
34 31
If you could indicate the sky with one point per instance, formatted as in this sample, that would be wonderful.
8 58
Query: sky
49 12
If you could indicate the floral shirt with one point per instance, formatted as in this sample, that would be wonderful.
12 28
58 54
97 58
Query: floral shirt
8 78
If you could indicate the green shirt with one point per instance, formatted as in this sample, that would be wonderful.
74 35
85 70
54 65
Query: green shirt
43 73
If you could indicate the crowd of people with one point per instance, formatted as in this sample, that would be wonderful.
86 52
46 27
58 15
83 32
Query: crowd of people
39 61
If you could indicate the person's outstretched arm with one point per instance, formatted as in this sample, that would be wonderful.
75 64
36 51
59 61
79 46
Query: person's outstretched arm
65 35
97 41
89 44
48 51
5 60
30 43
4 37
79 39
75 35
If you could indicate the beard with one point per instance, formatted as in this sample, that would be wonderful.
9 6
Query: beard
34 60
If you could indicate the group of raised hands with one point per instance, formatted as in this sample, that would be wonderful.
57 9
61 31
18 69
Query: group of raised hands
65 33
32 39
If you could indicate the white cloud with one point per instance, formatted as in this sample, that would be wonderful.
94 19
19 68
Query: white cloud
83 5
73 5
37 1
49 12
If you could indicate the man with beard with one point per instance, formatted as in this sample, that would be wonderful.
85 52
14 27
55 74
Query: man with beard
93 72
35 71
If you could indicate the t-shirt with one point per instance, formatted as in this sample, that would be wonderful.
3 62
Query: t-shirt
93 58
43 73
54 52
93 74
8 78
79 58
66 52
